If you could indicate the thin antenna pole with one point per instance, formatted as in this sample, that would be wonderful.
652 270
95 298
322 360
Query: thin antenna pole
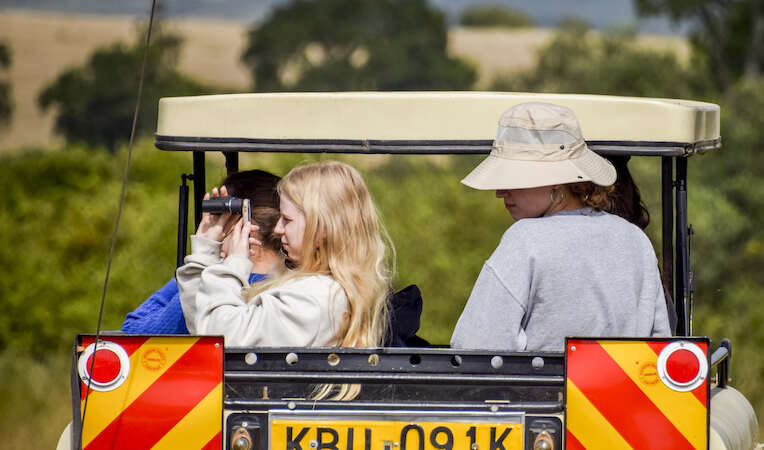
119 215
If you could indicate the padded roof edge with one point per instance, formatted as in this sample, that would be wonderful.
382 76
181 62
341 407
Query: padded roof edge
422 122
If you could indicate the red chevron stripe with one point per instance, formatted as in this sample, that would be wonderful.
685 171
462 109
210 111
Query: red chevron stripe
700 392
657 346
571 443
598 377
157 410
130 345
216 443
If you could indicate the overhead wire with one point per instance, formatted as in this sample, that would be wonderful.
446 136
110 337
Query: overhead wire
119 215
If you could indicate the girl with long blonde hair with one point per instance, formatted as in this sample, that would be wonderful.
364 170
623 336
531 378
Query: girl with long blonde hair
336 293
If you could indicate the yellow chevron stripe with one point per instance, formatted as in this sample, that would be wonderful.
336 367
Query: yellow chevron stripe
683 409
104 407
198 426
588 425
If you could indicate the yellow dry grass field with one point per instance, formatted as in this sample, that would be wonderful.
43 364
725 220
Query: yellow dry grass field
44 44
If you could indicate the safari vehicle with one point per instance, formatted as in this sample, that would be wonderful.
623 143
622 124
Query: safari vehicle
641 393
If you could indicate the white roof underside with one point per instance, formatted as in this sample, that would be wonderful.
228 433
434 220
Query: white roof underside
425 116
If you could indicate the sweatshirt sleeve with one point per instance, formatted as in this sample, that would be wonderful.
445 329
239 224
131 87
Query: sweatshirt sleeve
289 315
159 314
204 253
285 316
492 317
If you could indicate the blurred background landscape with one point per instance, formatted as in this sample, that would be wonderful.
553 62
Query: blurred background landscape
68 82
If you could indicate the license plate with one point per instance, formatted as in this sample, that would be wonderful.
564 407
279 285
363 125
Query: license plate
400 430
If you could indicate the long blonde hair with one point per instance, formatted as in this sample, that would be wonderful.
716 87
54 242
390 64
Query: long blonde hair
345 239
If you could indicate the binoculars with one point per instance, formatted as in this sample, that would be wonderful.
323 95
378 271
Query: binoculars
233 205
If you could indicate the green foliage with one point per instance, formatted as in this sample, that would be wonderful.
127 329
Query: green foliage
6 104
443 237
578 60
494 16
324 45
94 103
36 404
727 35
732 202
62 207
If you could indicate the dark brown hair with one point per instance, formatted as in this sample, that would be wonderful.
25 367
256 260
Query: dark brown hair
266 219
626 200
259 187
590 194
622 198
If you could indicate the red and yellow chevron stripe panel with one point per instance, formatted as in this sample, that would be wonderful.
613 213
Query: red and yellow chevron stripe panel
637 394
161 392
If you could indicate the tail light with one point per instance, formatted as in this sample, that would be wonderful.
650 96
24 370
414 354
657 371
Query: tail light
106 368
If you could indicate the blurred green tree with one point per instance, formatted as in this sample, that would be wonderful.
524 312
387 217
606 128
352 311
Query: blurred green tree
324 45
6 104
94 103
728 34
494 16
578 60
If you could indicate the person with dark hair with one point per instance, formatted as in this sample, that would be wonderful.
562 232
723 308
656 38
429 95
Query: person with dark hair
625 200
336 293
566 267
161 313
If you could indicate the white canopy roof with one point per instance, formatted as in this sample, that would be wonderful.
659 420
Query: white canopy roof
423 120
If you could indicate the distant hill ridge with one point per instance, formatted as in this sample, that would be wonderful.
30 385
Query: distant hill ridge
600 14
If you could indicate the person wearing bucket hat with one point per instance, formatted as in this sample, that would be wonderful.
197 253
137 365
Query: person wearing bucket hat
565 267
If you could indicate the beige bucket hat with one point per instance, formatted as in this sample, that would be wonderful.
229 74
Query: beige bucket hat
539 144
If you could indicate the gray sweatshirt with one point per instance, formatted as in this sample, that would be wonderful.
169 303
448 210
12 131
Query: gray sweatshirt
575 273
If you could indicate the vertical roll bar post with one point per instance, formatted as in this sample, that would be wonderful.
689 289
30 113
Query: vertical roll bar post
667 234
182 218
681 280
231 162
199 187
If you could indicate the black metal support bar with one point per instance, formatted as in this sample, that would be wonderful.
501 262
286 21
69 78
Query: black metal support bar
413 147
682 277
723 358
182 218
75 383
301 404
690 280
199 186
231 162
358 377
667 203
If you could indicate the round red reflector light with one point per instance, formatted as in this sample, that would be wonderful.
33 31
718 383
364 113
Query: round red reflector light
111 368
107 366
682 366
